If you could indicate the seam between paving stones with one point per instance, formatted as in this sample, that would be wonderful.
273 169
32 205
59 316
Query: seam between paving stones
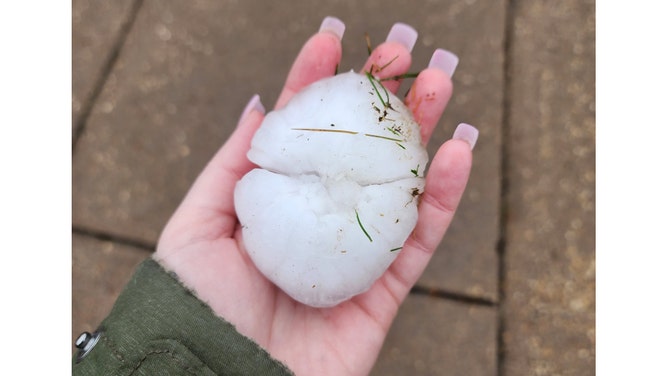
452 296
509 19
103 236
114 53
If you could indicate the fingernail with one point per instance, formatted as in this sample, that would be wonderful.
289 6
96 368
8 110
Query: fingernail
333 25
466 132
444 60
404 34
253 104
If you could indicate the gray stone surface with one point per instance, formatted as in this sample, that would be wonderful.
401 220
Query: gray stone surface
100 270
550 259
96 25
187 70
432 336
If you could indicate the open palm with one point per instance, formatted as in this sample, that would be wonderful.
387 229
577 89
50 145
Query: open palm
202 242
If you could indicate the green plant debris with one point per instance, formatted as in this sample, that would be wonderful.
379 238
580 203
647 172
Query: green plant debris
400 77
395 249
386 65
401 146
415 172
325 130
394 131
386 103
384 115
383 137
368 43
347 132
362 227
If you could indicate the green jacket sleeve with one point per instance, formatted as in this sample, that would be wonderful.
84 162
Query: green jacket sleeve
158 327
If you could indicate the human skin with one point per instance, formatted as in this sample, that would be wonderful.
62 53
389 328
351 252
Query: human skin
202 242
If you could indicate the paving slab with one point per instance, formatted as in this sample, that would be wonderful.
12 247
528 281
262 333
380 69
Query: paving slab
188 68
96 26
549 301
433 336
100 270
467 261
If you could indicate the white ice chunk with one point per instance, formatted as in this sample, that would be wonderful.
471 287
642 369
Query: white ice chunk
335 197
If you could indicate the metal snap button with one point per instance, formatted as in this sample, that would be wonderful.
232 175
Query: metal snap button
85 343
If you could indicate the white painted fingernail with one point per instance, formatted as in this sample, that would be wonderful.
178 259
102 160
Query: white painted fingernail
253 105
466 132
333 25
444 60
404 34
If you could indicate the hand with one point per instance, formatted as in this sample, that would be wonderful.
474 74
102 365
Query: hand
202 242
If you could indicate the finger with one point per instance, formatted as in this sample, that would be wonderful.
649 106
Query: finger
444 187
393 57
317 59
431 91
211 196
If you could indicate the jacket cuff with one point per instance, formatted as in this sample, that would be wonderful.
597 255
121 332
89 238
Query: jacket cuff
157 325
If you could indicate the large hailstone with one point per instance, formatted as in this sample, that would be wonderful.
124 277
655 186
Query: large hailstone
335 196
